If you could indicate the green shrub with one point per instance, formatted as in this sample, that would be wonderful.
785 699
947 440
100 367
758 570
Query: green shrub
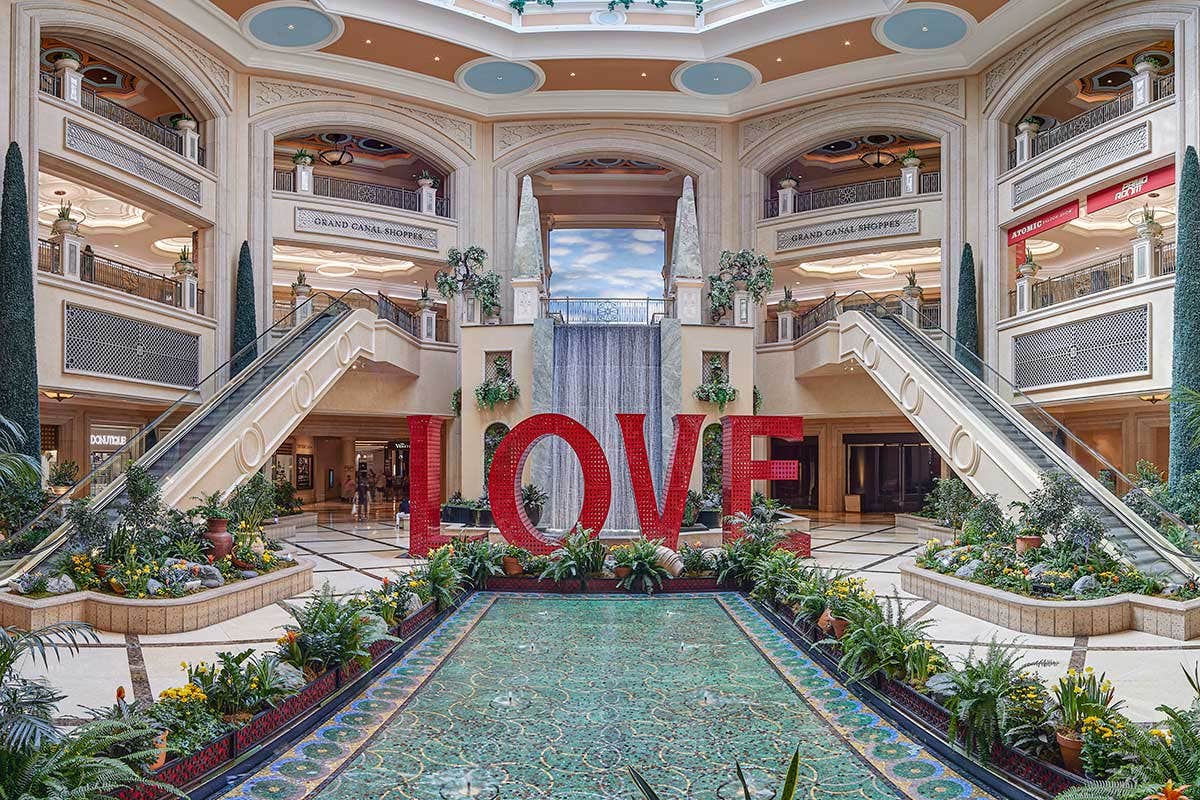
948 502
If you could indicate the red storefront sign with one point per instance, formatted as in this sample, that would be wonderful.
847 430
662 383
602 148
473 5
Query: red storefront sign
1129 189
1040 224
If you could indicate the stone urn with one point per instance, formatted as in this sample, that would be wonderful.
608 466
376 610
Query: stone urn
426 303
912 291
911 162
69 226
219 537
1027 269
1026 126
185 124
301 289
1149 229
185 267
787 183
67 62
425 183
1146 65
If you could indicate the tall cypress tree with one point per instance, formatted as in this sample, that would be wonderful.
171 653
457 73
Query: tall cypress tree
18 356
966 328
1185 359
245 325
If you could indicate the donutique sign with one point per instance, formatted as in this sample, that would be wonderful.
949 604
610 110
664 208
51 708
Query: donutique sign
875 226
508 465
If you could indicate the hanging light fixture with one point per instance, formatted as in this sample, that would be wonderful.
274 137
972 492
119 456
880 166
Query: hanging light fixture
1154 399
877 158
54 394
338 156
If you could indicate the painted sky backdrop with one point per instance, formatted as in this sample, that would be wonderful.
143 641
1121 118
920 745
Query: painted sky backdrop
596 262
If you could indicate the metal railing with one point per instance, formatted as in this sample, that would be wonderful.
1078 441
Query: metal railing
818 315
375 194
1078 125
851 193
1164 86
1164 259
392 312
103 271
1092 279
48 82
931 315
606 310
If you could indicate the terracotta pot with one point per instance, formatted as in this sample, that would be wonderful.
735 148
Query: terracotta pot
512 567
825 621
160 746
1070 746
237 562
1027 543
622 573
219 537
116 586
839 626
102 570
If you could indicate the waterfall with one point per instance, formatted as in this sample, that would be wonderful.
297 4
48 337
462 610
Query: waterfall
598 372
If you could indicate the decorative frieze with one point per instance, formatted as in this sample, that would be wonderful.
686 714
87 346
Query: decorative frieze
753 131
373 229
459 130
265 94
1113 150
875 226
117 154
217 72
506 137
947 95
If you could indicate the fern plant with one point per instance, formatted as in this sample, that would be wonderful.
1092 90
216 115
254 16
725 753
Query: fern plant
878 639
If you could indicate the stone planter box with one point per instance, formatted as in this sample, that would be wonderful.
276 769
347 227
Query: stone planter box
410 625
287 526
117 614
1122 612
605 586
267 722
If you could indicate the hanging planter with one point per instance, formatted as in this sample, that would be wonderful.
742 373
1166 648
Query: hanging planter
743 269
498 389
717 389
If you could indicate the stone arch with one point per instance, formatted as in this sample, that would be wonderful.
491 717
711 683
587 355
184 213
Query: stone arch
349 115
1012 82
825 123
600 138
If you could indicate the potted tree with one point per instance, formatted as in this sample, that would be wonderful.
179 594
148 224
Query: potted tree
1028 539
64 222
788 181
183 122
911 290
67 60
534 500
788 303
745 268
1027 269
1031 124
425 180
1146 226
184 265
62 476
1148 62
425 302
217 515
300 287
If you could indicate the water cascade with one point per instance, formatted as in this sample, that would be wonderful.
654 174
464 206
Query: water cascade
598 372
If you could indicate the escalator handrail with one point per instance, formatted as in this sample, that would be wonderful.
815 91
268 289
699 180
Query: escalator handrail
42 549
1186 562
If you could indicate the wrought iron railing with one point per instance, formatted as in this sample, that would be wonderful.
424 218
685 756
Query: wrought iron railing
392 312
1164 259
103 271
606 310
931 315
1108 274
156 132
851 193
375 194
1078 125
815 317
1164 86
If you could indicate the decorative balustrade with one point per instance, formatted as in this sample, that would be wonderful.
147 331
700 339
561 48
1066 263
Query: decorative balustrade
605 310
1164 86
931 315
1164 259
394 313
849 194
90 101
825 311
103 271
375 194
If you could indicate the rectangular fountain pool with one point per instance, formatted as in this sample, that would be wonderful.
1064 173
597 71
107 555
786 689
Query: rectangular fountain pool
524 697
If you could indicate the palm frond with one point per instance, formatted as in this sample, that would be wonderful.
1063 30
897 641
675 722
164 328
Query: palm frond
642 786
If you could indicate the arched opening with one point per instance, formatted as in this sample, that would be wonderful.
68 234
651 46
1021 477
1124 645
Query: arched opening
863 167
118 86
492 436
371 168
711 457
607 225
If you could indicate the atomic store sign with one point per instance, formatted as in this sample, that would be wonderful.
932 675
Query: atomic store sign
659 520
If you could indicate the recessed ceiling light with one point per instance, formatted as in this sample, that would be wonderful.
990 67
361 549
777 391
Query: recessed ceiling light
924 29
437 58
779 58
643 74
847 43
291 27
116 245
368 41
572 74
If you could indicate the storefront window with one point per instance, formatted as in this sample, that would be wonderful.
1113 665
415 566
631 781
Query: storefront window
103 441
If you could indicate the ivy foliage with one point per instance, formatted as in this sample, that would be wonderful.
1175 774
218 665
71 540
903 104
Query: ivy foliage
717 389
745 268
499 388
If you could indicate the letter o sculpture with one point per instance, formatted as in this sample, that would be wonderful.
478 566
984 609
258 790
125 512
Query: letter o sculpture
508 464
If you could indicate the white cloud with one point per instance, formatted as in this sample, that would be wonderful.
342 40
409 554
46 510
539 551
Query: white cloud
648 235
643 249
558 237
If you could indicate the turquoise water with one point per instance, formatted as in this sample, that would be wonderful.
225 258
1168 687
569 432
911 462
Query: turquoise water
525 697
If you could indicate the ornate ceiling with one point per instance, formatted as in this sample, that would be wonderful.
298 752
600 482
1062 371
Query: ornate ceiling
727 52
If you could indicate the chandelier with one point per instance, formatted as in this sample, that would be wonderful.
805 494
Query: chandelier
877 158
337 157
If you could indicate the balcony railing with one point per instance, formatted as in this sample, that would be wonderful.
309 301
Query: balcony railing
606 310
1164 259
1110 273
360 192
392 312
864 192
1163 86
931 315
102 107
103 271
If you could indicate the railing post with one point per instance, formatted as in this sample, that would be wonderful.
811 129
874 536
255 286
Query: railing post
427 320
70 253
1143 83
787 326
300 302
70 80
304 179
910 309
190 287
468 308
910 180
191 144
428 195
687 301
1026 131
1145 246
1025 275
787 200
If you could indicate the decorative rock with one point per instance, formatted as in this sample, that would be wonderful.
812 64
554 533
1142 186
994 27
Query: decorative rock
968 569
1087 583
669 560
1172 589
947 557
207 572
249 573
60 584
153 587
191 586
212 583
1037 571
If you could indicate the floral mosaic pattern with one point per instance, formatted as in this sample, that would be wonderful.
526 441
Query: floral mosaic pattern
534 697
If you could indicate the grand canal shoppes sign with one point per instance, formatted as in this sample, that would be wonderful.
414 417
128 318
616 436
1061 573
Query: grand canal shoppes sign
508 466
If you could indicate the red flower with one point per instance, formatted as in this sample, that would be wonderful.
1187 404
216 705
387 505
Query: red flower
120 694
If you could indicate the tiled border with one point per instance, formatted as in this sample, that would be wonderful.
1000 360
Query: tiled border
324 753
1122 612
906 765
116 614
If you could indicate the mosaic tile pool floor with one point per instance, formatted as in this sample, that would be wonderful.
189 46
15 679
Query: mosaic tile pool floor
524 697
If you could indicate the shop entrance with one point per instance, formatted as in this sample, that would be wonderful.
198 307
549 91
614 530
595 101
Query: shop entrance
890 472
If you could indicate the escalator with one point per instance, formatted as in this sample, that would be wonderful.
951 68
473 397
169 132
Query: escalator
285 343
1020 432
